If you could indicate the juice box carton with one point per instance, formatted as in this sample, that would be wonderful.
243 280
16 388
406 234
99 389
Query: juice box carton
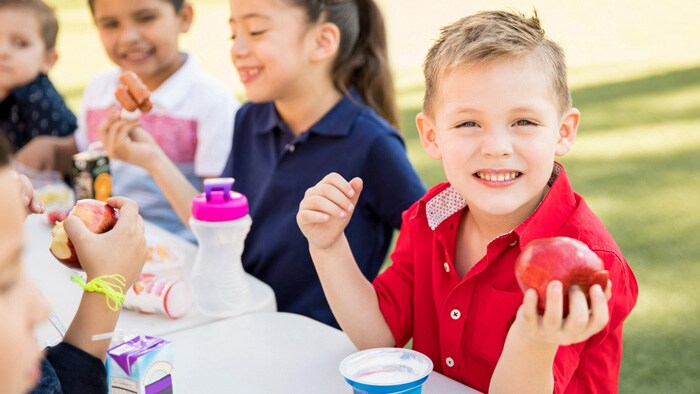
142 365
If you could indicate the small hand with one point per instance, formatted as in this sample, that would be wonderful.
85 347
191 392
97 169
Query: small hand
97 251
125 140
552 328
30 197
326 209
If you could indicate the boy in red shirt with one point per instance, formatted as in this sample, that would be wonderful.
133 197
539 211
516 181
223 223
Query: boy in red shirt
497 112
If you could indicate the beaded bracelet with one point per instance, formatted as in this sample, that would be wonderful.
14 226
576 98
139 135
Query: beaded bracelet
112 286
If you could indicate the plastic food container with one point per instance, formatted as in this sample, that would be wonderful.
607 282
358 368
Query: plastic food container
386 370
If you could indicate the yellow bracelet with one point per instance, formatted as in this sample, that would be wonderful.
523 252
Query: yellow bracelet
112 286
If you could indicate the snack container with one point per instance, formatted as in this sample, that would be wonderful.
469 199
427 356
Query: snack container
142 365
158 294
386 370
90 175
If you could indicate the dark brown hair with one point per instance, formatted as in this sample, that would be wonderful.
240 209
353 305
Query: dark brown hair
48 24
490 36
176 3
362 60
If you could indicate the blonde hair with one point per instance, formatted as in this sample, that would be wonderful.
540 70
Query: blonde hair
489 36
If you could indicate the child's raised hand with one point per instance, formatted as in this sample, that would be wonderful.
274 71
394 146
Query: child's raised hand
30 197
552 328
125 140
326 209
97 251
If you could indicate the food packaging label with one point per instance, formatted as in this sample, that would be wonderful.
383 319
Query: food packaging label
142 365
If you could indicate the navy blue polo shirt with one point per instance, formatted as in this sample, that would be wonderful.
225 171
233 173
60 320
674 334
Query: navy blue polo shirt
35 109
273 168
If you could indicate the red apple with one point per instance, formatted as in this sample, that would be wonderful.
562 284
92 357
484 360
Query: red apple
57 215
567 260
98 218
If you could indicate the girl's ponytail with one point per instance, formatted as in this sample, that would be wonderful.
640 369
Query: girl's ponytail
362 60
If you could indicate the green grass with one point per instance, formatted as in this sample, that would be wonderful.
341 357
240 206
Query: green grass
637 163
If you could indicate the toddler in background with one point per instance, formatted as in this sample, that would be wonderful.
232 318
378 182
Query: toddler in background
30 106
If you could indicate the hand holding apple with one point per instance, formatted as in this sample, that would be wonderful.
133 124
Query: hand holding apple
559 258
98 218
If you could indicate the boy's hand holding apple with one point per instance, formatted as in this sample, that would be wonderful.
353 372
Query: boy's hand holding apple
327 208
564 299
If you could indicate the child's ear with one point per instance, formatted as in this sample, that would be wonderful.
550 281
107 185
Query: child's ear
326 41
186 15
49 60
428 136
567 131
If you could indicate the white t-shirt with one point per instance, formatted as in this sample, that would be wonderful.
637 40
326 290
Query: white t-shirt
192 121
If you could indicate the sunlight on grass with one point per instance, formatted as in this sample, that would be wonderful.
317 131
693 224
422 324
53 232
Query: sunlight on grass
658 140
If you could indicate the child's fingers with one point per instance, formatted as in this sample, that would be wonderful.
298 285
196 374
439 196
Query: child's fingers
357 185
608 290
343 204
577 320
307 216
76 229
529 308
599 309
321 203
339 182
554 306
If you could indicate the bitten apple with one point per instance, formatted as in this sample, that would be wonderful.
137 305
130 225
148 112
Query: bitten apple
567 260
98 218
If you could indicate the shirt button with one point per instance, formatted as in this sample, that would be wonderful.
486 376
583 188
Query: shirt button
291 148
514 243
447 266
455 314
450 362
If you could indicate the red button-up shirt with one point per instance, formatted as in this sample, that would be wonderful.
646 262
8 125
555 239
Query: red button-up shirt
461 323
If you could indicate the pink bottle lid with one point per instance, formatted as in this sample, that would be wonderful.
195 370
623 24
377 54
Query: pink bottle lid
218 203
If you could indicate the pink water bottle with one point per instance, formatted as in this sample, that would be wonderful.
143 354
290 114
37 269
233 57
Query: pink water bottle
220 222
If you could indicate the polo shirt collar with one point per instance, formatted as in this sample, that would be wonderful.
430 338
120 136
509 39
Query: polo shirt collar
335 123
444 201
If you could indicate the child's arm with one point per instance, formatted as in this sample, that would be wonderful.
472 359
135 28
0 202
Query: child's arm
49 153
323 215
125 140
97 257
525 365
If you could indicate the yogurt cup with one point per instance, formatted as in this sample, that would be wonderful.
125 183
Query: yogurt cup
386 370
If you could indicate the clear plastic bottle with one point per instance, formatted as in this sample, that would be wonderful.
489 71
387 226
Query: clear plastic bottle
220 222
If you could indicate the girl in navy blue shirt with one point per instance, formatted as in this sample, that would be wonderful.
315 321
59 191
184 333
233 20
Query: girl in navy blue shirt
321 100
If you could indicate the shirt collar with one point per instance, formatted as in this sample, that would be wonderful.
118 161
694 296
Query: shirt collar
553 212
175 89
336 122
556 207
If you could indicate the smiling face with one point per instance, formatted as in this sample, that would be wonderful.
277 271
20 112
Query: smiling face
142 36
497 129
23 53
21 307
271 45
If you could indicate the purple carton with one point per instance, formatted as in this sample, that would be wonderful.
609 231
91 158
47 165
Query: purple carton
142 365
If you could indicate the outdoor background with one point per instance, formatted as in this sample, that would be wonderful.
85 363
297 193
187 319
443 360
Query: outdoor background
635 76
